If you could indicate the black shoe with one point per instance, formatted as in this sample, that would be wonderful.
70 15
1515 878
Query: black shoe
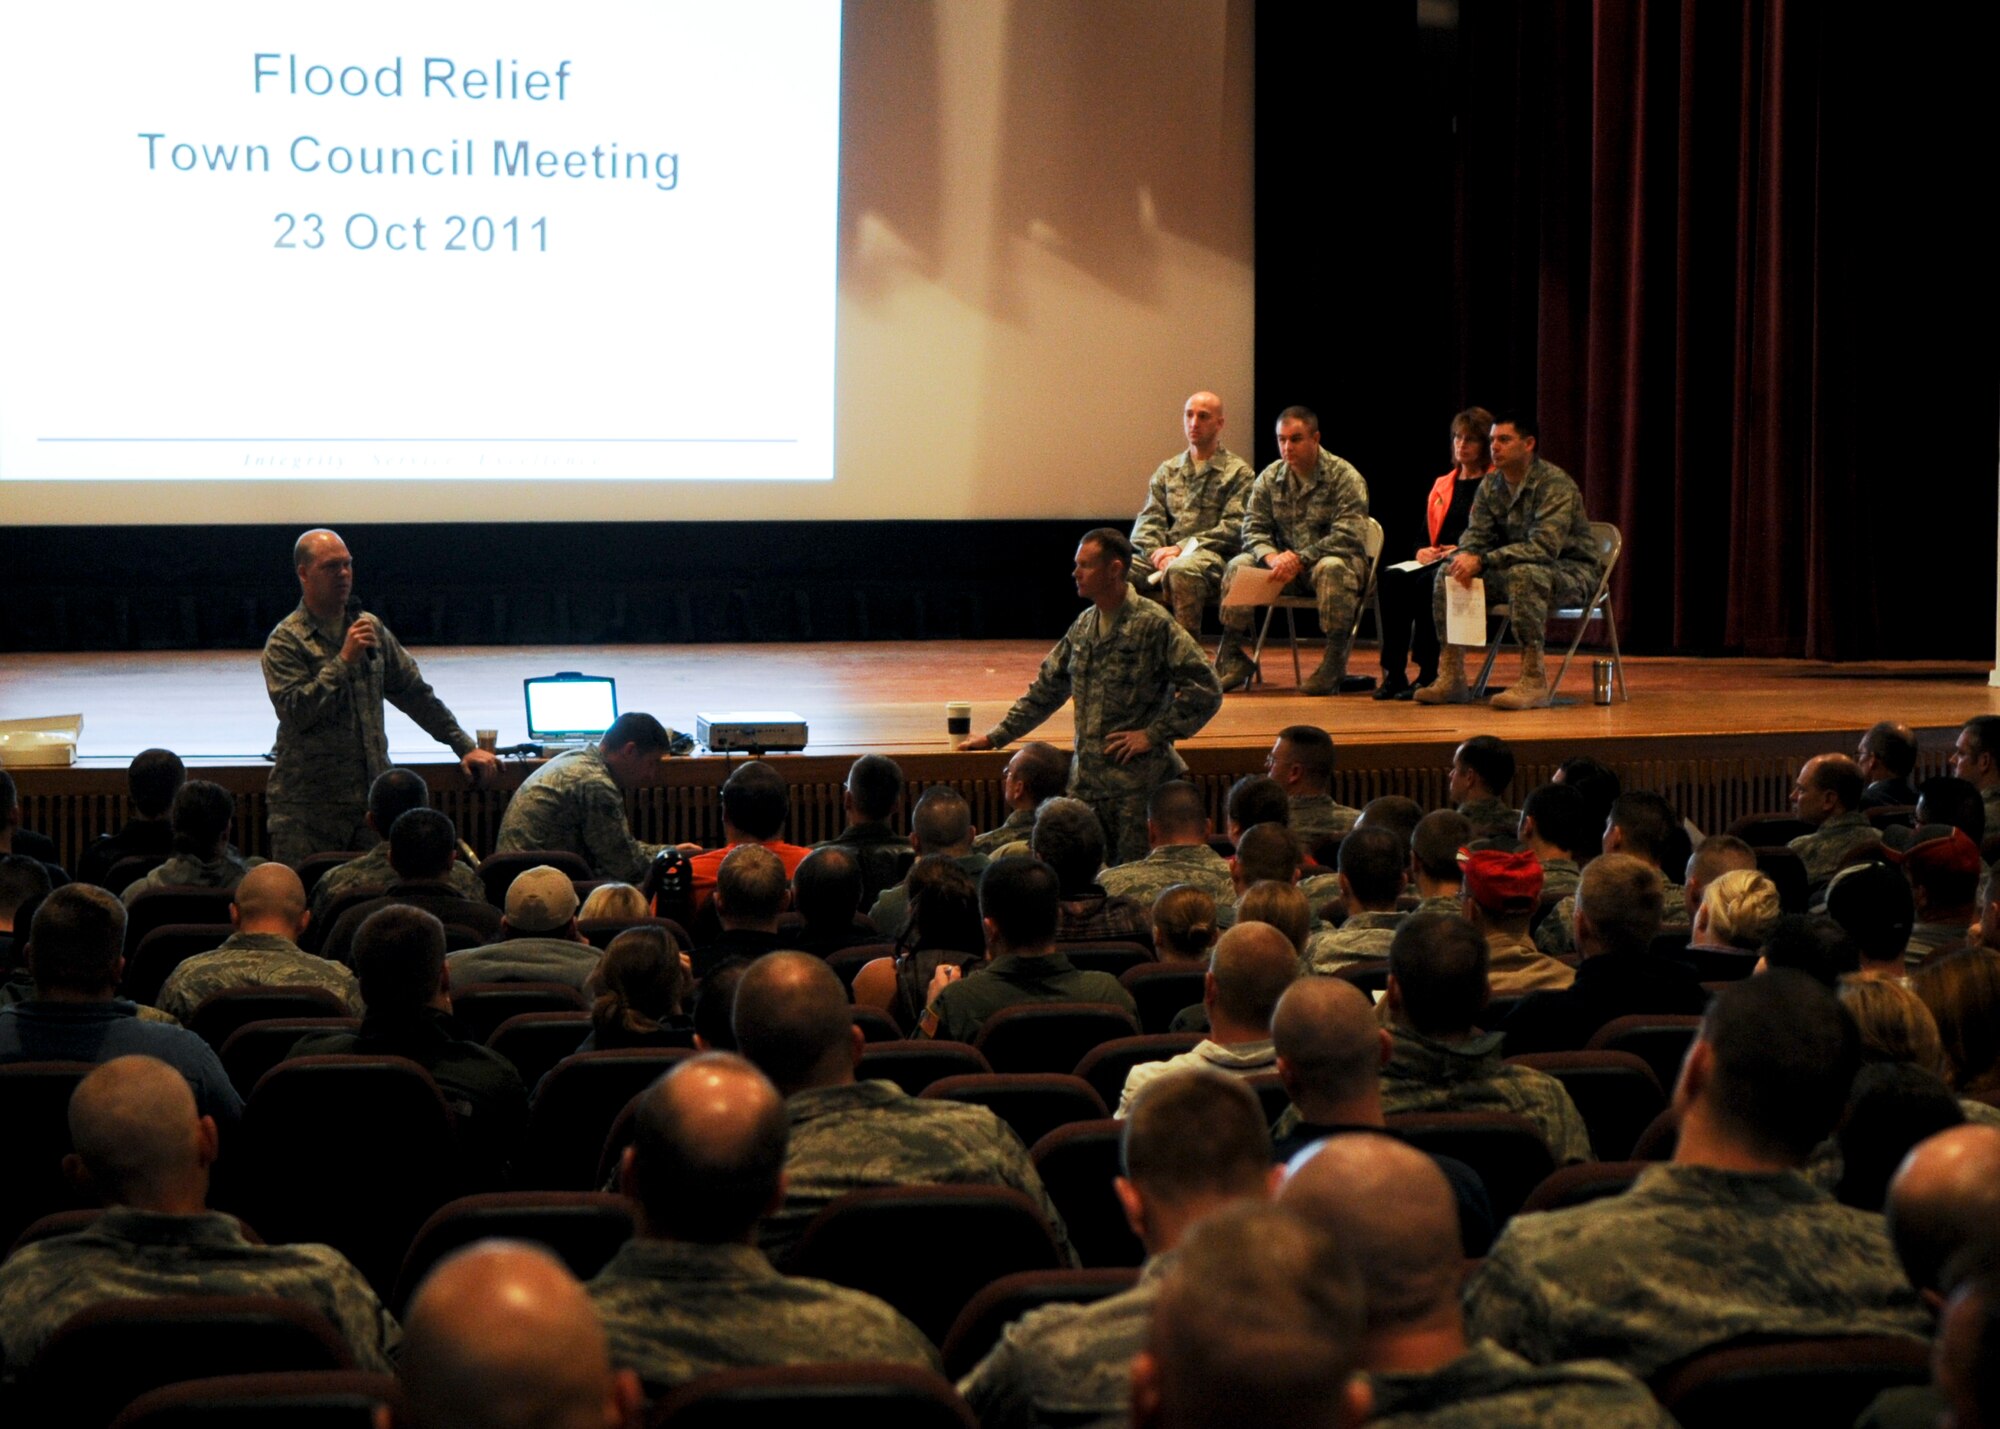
1356 684
1397 689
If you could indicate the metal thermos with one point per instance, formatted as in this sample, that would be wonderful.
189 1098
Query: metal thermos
1600 682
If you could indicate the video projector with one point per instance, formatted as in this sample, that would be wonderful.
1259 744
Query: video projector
751 732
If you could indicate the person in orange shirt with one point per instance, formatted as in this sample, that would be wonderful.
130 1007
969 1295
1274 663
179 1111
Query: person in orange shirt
1406 595
755 805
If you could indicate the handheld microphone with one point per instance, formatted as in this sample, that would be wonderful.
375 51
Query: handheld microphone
353 614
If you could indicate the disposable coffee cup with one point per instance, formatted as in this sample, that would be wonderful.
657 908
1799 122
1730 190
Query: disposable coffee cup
958 722
489 739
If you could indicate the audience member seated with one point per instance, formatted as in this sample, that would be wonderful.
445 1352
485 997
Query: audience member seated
942 926
1254 963
399 955
1886 758
1894 1025
1373 864
151 781
1192 1145
1892 1107
203 857
1255 799
1738 912
1975 758
715 1005
1966 1367
24 883
1258 1321
1714 856
501 1334
1962 990
1554 824
1439 1060
1302 763
1812 944
638 994
269 916
1177 829
755 805
1618 914
826 892
1502 890
691 1293
614 900
1330 1056
750 893
15 839
1600 786
1943 867
1036 772
1827 795
1019 900
393 794
1482 769
1727 1240
1282 906
1393 812
1069 839
1645 826
1185 924
423 848
792 1021
1957 802
874 788
76 1014
1392 1210
538 939
1434 870
941 823
576 801
145 1149
1872 904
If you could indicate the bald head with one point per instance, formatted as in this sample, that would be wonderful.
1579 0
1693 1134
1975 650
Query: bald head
1945 1198
793 1021
1327 1036
138 1135
708 1150
501 1336
1252 966
1388 1204
270 899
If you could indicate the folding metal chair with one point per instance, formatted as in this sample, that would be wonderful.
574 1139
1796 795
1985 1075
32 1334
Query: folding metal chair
1609 544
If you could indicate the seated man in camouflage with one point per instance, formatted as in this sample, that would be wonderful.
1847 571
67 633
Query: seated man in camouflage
873 790
1372 864
1069 838
941 823
1827 795
1712 857
576 801
1553 826
1529 540
1193 1144
792 1020
1389 1205
538 939
1036 772
1434 866
203 815
1975 758
1177 829
1302 763
144 1148
691 1293
1503 887
1439 1060
423 849
1482 768
1728 1240
394 793
1643 825
1306 521
1192 522
1251 967
269 916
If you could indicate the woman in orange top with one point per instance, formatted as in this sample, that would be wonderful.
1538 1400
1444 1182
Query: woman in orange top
1406 595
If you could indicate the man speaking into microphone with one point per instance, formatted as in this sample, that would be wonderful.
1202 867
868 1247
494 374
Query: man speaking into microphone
328 667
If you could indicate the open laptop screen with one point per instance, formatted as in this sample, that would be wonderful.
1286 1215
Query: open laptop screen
570 705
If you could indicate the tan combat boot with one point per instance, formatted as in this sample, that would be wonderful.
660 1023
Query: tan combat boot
1326 679
1531 691
1232 664
1449 688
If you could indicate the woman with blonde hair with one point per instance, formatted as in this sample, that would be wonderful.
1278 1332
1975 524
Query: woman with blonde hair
638 988
1184 924
1738 910
613 900
1281 905
1962 990
1895 1025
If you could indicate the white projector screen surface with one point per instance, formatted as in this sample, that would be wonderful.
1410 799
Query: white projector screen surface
1023 227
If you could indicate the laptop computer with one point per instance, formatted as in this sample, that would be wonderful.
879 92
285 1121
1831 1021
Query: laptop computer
569 710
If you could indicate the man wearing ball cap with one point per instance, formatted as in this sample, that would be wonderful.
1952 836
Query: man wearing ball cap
1503 886
1944 870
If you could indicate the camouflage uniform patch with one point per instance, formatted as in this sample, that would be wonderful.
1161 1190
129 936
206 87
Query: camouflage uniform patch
1325 520
1556 934
184 870
1489 1388
1018 825
1186 502
1690 1256
1167 865
254 960
370 876
1515 967
573 803
1363 938
1317 816
1560 877
1822 850
1491 818
1535 545
1426 1075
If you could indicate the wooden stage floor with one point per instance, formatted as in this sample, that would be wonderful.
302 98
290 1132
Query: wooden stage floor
889 697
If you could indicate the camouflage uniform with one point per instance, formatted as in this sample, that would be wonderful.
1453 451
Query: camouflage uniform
1242 1059
962 1007
1439 903
129 1254
1556 934
1186 502
184 870
1325 520
331 745
890 912
1822 850
573 803
1489 1388
1427 1075
1363 938
1688 1257
254 960
1167 865
674 1310
1535 547
1561 875
1103 917
370 875
1018 826
1928 940
1515 967
1067 1364
868 1134
1316 816
1145 673
1491 818
882 854
1990 797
